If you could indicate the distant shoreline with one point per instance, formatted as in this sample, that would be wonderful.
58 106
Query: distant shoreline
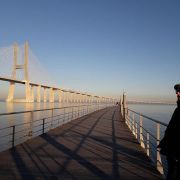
155 103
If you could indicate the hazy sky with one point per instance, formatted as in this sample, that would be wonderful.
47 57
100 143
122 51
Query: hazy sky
100 46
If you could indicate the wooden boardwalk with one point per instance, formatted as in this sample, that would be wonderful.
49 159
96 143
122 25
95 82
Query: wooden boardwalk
96 146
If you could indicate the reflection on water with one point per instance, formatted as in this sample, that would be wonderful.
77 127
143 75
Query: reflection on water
11 120
33 123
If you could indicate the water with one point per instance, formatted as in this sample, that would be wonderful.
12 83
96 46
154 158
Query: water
20 118
160 112
19 127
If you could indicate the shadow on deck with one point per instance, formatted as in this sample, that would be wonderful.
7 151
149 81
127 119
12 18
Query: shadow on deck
96 146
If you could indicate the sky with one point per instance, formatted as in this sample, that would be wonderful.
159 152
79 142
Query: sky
103 47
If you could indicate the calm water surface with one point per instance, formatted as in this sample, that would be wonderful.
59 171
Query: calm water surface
159 112
162 113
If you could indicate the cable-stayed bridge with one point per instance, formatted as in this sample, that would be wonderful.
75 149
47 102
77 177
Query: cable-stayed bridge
19 65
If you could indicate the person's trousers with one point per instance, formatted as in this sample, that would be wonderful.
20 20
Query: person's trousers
173 169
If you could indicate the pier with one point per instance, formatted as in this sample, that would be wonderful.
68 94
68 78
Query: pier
98 145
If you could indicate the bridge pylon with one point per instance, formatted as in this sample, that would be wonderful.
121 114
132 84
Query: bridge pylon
24 67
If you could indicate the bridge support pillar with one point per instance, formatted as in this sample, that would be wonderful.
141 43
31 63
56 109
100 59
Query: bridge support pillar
39 93
72 96
29 92
77 98
67 97
64 97
51 95
23 67
32 93
60 95
44 95
11 92
80 98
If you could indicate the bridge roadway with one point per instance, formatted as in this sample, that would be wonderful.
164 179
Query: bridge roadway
96 146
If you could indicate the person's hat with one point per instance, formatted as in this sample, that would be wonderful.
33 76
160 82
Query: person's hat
177 87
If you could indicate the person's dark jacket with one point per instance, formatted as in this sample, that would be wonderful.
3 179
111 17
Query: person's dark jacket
170 144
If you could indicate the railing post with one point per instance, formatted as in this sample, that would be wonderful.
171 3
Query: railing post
78 111
147 145
72 113
52 114
159 162
127 118
136 130
13 135
31 124
133 124
124 106
87 109
141 132
43 126
64 115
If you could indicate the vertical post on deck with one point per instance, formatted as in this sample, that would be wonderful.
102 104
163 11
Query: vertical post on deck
141 132
147 145
43 126
52 115
133 124
124 106
31 124
159 162
13 136
120 103
136 130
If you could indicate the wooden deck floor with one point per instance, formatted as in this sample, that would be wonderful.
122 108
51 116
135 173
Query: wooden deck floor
96 146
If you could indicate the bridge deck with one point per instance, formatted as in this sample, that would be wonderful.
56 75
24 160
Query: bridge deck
96 146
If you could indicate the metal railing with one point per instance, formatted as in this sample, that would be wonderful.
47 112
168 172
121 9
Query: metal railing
148 139
40 121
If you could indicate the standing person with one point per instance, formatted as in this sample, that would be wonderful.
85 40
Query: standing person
170 144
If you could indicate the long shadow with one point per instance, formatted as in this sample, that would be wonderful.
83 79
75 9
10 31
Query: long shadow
42 163
21 166
74 124
69 173
33 161
26 174
84 162
82 141
115 171
132 155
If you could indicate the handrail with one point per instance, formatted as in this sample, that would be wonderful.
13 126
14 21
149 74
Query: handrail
147 117
37 110
42 124
147 140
